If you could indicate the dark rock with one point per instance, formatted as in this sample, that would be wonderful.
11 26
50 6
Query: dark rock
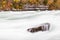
43 27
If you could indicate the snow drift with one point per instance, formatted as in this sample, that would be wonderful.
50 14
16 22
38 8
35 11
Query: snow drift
17 29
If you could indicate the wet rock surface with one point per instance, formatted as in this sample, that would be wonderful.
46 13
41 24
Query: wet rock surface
43 27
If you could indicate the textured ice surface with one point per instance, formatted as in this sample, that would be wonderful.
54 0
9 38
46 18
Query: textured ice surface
10 15
17 29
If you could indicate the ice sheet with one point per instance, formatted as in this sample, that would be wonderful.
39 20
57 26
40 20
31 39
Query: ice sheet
17 29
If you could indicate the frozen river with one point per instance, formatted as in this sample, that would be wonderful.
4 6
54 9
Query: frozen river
14 25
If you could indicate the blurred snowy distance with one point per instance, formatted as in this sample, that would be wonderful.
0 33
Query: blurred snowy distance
14 15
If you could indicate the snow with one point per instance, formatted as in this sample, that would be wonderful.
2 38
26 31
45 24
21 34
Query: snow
14 25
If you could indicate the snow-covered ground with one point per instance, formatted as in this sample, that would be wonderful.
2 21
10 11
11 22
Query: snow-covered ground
14 25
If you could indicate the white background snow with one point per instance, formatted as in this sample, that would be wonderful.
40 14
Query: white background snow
14 25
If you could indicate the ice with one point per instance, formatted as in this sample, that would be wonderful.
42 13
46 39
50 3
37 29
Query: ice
14 26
